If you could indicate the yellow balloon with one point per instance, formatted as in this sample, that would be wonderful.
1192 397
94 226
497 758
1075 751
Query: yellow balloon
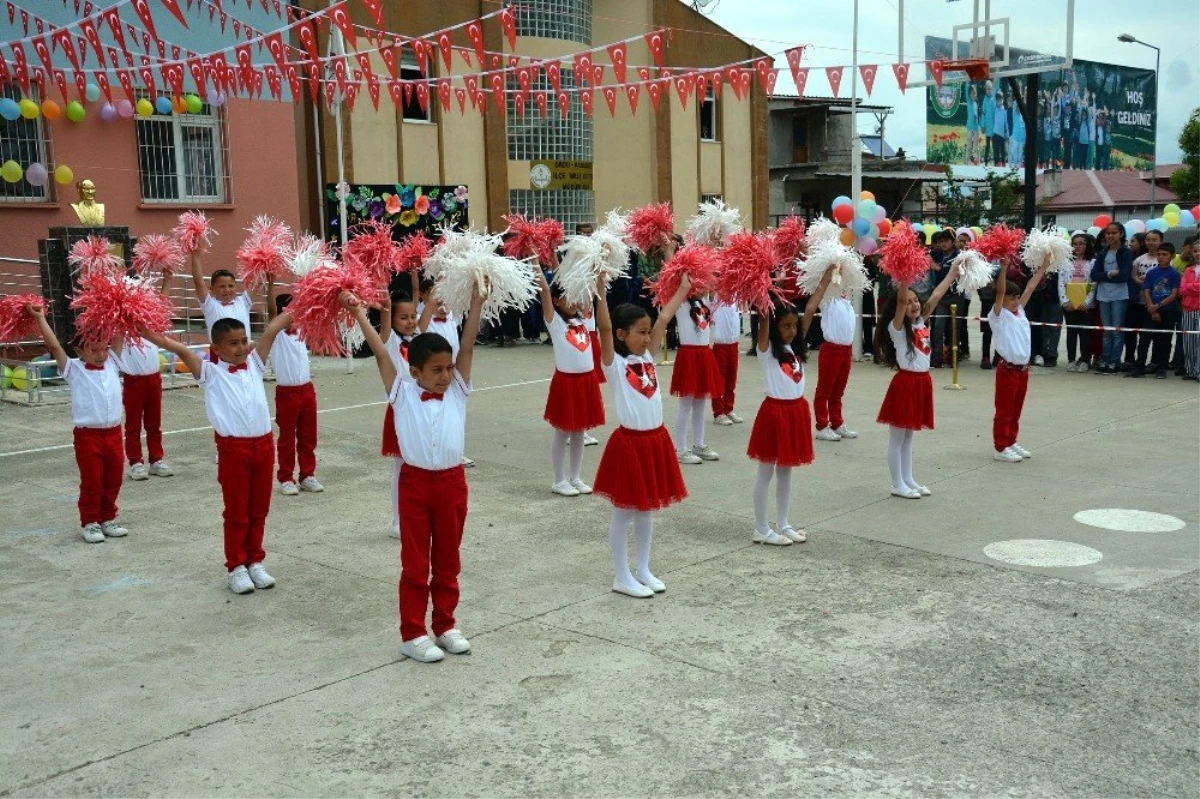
1172 218
6 377
145 108
162 361
11 171
22 379
29 109
63 175
866 195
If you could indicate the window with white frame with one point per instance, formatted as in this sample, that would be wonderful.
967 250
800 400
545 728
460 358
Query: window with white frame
570 20
530 136
411 110
709 125
183 158
571 207
22 140
710 198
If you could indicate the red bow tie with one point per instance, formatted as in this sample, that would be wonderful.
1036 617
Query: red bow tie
439 319
93 367
241 367
429 395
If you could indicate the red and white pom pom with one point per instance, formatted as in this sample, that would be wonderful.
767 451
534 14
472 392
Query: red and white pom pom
412 252
905 259
849 275
974 272
538 238
16 323
194 232
266 252
999 243
156 254
316 309
506 282
651 226
698 262
788 240
550 237
112 304
308 252
373 248
1046 247
713 224
747 270
91 255
822 232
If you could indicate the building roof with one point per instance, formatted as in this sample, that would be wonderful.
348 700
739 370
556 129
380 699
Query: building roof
1162 171
783 101
1086 188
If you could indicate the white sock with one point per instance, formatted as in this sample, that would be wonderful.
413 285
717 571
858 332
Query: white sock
906 461
558 455
681 420
643 530
396 464
576 454
698 418
783 495
618 544
761 484
895 447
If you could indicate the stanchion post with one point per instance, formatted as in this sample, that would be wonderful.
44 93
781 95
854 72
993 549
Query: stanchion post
666 357
954 385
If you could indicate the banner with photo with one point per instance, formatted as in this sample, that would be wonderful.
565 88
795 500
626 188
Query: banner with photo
1090 116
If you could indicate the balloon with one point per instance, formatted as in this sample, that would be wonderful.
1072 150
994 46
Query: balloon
125 109
1196 213
866 209
63 175
75 111
1129 230
29 109
873 232
1172 218
193 103
1177 262
978 231
11 171
9 109
1102 221
1094 231
866 195
163 106
841 199
867 245
880 214
846 236
179 106
50 109
22 377
1157 223
842 214
92 93
885 228
144 107
1170 208
1138 225
861 227
216 99
36 174
108 112
1186 219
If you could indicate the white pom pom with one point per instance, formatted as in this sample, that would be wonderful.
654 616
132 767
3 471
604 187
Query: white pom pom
579 269
1046 246
507 283
352 337
822 232
713 224
616 223
974 272
849 276
308 252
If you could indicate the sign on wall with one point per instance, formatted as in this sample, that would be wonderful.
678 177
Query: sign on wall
545 174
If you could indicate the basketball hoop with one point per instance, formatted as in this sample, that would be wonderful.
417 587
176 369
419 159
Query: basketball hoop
976 68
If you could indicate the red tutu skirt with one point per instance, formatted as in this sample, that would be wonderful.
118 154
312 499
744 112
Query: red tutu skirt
782 433
391 445
596 357
639 470
909 401
696 373
574 402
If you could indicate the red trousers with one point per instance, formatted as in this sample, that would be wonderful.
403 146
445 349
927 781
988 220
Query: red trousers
727 364
296 415
142 396
833 371
101 467
244 467
433 511
1011 386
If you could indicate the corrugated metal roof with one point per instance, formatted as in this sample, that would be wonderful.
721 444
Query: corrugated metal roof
1086 188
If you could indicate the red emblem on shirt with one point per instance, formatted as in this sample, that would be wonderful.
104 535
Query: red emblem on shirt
577 337
404 351
793 369
701 316
642 377
921 339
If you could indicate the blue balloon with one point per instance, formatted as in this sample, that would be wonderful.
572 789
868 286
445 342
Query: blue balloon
1130 229
1186 219
861 226
1158 224
9 109
163 106
842 200
92 92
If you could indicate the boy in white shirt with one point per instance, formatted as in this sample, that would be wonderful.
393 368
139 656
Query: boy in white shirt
1011 339
221 299
141 392
295 405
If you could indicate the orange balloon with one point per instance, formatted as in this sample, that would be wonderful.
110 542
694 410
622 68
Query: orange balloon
179 105
50 109
846 237
866 195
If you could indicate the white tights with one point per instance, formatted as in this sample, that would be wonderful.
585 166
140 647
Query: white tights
900 459
558 455
396 464
695 407
783 495
618 542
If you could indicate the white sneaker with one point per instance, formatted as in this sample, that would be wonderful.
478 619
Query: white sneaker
1024 453
706 452
92 533
906 493
311 484
395 532
827 434
239 581
637 590
794 535
422 650
581 487
469 464
161 469
565 489
259 576
1007 456
288 488
770 537
1037 361
1083 366
845 432
589 440
723 420
112 529
653 583
922 490
454 642
1072 367
687 457
733 417
138 472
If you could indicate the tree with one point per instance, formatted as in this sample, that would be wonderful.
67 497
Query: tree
1186 180
966 206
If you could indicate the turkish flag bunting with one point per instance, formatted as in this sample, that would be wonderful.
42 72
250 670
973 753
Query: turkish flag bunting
443 90
245 64
373 89
564 104
292 73
341 17
88 26
868 75
173 7
60 80
683 87
734 77
513 62
496 79
314 81
586 98
643 74
396 92
339 74
525 80
126 83
618 53
148 80
583 69
772 77
543 102
554 74
763 67
274 44
657 42
508 21
460 94
421 51
745 76
714 78
63 39
39 47
364 63
632 92
329 94
114 24
351 95
472 83
496 61
610 98
423 96
172 75
597 75
800 76
481 103
142 8
466 57
102 81
835 79
654 89
81 84
443 41
519 105
196 68
475 34
274 82
308 38
901 73
935 68
20 67
376 9
388 54
794 56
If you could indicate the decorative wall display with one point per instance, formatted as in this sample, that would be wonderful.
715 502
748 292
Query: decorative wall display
410 208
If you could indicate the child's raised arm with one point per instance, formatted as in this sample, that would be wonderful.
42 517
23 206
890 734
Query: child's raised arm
1032 285
604 325
198 281
385 318
547 300
427 312
901 307
263 346
667 313
940 291
48 337
387 369
814 302
189 358
764 329
1001 288
470 331
270 292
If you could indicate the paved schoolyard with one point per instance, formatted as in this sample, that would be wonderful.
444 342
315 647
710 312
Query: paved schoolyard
888 656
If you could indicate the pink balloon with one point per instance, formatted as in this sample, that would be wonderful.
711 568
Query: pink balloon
880 214
125 109
867 245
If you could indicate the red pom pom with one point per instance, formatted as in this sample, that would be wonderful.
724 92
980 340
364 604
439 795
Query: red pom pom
748 263
651 226
699 262
194 232
550 236
412 252
1000 242
373 250
265 252
539 238
114 305
316 309
16 323
788 240
156 254
91 255
905 259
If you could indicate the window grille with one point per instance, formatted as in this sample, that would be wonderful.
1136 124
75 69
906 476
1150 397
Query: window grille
556 19
711 198
411 106
569 206
531 137
23 141
709 126
183 158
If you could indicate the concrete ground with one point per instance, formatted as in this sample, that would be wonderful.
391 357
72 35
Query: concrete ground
887 656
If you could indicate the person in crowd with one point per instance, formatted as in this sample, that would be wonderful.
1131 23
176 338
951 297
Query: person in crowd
988 124
1111 272
1160 294
945 250
1187 257
1145 257
1189 327
295 405
1011 329
1001 130
398 327
972 125
1077 298
1103 141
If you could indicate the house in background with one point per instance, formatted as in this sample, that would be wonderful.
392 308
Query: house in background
1075 197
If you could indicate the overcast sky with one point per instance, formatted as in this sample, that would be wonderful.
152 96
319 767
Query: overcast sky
774 25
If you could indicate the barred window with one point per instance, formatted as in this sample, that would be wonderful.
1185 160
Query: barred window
411 70
556 19
22 140
530 136
183 158
709 121
569 206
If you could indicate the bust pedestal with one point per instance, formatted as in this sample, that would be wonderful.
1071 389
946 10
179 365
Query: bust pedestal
58 282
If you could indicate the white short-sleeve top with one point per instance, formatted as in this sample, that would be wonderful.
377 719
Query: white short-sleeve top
234 397
431 428
95 392
636 391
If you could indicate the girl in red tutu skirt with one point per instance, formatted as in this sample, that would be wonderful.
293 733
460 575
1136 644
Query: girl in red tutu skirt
638 472
908 405
695 379
782 434
574 403
398 321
